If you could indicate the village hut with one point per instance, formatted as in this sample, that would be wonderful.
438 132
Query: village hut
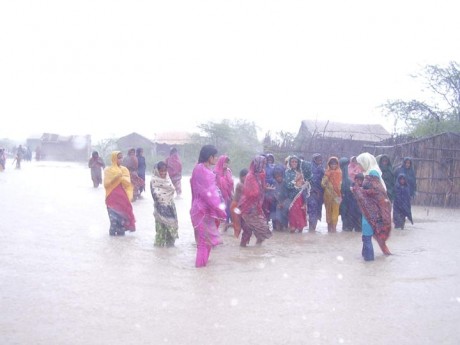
336 138
437 167
65 148
135 140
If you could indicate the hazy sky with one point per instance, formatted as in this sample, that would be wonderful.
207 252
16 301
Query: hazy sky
113 67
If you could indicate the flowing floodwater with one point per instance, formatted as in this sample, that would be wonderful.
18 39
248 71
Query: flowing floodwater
64 280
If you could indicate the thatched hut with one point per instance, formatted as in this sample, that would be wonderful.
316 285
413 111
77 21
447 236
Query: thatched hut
437 167
336 138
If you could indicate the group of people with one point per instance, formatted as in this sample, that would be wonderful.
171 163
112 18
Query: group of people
364 191
124 182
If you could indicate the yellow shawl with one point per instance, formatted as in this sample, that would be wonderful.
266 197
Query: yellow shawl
116 174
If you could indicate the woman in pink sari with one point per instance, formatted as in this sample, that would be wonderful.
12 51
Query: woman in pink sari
224 180
175 170
208 207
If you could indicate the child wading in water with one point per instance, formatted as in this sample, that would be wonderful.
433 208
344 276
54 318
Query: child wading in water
402 205
162 189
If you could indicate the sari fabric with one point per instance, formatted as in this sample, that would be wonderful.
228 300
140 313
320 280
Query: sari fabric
174 165
252 214
132 164
207 211
376 208
298 190
332 182
316 198
235 213
119 193
166 224
224 180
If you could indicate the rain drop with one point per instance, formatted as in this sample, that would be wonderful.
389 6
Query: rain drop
340 276
237 210
339 258
234 302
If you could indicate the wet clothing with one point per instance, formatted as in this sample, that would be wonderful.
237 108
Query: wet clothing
253 218
141 167
175 171
410 175
315 200
236 215
298 191
96 164
164 211
402 208
387 175
119 193
332 182
224 180
132 164
349 209
376 208
354 168
206 213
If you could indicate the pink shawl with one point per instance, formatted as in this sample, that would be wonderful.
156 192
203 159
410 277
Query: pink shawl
224 179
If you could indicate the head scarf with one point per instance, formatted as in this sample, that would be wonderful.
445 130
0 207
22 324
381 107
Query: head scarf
224 178
368 163
254 187
334 176
116 174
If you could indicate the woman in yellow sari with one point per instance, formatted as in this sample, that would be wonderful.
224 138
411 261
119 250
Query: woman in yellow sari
118 196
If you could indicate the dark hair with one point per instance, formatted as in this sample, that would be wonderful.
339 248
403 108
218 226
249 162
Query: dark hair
160 165
359 176
172 151
95 154
243 172
206 152
139 150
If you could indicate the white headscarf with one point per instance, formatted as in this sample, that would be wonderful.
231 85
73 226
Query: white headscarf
369 163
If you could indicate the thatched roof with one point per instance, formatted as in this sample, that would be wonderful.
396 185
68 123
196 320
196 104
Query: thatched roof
173 138
349 131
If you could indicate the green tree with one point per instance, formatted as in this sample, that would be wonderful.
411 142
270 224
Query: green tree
235 138
441 114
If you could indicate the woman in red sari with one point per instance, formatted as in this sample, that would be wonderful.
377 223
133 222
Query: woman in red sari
118 196
252 214
298 191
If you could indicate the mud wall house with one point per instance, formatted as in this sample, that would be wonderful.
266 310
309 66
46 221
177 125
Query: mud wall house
135 140
75 148
336 138
437 167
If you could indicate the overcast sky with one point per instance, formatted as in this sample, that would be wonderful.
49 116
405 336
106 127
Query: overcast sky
109 68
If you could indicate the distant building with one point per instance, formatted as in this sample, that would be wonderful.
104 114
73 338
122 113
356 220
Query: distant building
135 140
336 138
62 148
166 140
